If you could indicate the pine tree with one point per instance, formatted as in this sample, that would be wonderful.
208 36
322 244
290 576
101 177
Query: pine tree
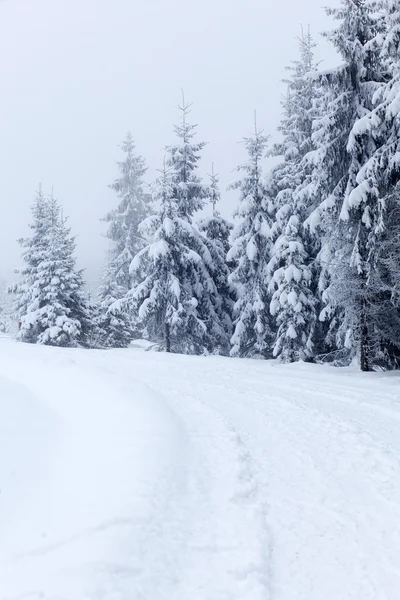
293 302
252 241
183 161
124 221
216 227
217 231
114 327
174 291
125 243
346 97
171 277
50 297
5 309
371 207
26 291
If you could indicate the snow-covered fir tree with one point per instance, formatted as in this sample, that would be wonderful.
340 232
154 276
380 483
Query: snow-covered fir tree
216 227
124 221
346 96
251 248
125 239
5 309
174 289
50 299
371 206
183 162
294 301
173 284
114 327
34 248
217 231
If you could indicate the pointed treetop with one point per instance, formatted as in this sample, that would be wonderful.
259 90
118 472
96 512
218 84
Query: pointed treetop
184 130
164 184
307 46
256 144
215 194
128 145
183 158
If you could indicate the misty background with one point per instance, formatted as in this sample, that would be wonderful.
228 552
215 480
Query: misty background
78 74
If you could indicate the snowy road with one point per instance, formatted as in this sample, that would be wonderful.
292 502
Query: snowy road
140 476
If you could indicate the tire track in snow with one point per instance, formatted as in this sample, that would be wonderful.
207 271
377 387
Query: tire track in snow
321 462
229 552
326 496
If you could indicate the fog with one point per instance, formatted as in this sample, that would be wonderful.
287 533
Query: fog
77 74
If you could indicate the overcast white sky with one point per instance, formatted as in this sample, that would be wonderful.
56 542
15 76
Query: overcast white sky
77 74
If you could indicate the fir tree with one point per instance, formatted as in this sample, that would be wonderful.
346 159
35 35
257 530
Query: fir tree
33 254
346 97
252 241
217 231
114 327
183 161
50 298
293 302
191 257
371 207
171 276
5 309
125 243
124 221
216 227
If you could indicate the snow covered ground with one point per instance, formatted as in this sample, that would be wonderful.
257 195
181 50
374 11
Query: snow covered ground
141 476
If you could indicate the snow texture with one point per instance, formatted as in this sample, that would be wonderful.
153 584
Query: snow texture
218 478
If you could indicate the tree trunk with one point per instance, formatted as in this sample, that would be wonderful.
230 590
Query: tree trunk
167 337
364 341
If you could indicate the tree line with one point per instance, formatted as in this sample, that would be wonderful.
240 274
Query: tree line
310 269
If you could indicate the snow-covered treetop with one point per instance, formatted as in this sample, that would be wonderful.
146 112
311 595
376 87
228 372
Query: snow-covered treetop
256 150
41 220
214 191
165 192
357 37
344 98
296 124
41 214
253 194
129 187
183 159
132 169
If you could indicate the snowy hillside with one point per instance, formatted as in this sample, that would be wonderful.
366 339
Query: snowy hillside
134 475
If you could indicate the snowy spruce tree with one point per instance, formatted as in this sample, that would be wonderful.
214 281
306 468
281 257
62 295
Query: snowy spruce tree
251 253
215 226
371 207
34 248
125 242
124 221
217 231
171 277
182 161
6 319
50 299
345 97
115 328
292 285
174 291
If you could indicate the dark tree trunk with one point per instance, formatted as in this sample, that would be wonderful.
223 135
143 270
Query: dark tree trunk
364 341
167 337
